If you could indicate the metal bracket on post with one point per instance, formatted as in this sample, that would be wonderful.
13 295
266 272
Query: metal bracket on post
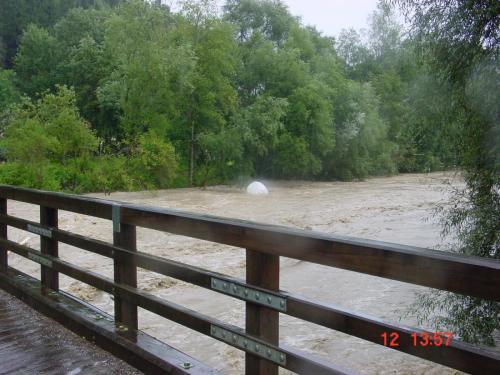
115 214
250 294
38 230
248 345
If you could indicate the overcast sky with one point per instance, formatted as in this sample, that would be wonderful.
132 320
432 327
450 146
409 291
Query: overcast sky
331 16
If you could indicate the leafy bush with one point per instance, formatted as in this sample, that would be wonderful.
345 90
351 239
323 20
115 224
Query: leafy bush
293 158
49 146
38 176
49 129
154 163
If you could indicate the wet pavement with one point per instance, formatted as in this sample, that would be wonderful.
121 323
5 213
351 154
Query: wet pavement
31 343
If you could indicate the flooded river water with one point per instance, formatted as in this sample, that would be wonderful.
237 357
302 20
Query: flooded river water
394 209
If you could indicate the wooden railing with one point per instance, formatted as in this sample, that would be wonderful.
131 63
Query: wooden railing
264 245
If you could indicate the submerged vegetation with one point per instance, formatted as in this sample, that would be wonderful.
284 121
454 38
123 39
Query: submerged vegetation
153 98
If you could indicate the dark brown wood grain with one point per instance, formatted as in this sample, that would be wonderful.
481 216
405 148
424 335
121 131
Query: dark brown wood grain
125 272
262 270
457 355
472 276
49 246
3 234
68 202
436 269
477 277
297 361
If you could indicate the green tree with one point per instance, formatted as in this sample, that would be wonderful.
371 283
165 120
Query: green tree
260 124
16 15
8 92
149 74
79 24
154 163
43 135
293 159
63 133
473 29
222 155
283 60
385 39
213 98
362 146
37 61
269 18
84 64
356 57
430 133
84 69
72 54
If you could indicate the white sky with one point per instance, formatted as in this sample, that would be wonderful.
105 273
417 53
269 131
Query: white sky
328 16
331 16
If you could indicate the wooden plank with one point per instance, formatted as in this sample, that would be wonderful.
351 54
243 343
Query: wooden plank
3 234
262 270
477 277
125 272
297 361
458 355
49 246
68 202
73 239
473 276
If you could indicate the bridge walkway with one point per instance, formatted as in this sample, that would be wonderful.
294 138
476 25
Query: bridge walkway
31 343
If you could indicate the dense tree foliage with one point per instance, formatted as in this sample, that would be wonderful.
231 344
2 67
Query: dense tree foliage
50 146
8 92
126 94
461 41
220 96
16 15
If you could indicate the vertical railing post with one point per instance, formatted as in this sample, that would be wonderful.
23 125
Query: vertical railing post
125 269
3 234
262 270
49 217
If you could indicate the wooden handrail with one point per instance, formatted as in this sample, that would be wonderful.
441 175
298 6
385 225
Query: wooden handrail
458 355
296 361
472 276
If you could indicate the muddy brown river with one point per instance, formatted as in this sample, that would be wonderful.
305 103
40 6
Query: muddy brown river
394 209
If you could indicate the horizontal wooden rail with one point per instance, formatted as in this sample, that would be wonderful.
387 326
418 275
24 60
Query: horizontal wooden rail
458 355
146 353
299 363
264 244
68 202
473 276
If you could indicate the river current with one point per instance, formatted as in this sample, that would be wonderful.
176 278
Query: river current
395 209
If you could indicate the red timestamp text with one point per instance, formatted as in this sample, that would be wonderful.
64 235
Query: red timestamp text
392 339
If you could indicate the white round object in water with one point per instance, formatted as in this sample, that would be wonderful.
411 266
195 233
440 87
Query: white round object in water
257 188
